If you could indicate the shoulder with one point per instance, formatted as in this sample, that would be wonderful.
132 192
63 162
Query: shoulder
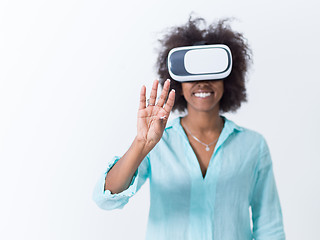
250 143
256 143
247 136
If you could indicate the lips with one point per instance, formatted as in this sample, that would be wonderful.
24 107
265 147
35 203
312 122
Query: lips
203 93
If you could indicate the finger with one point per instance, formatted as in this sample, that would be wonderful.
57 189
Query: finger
153 93
142 104
164 93
170 101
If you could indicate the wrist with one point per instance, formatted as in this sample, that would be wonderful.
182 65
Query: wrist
143 145
140 140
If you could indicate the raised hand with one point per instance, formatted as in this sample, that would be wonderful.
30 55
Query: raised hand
152 119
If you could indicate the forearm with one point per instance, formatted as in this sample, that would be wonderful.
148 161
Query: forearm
120 175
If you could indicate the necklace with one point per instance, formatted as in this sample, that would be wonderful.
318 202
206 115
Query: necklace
206 145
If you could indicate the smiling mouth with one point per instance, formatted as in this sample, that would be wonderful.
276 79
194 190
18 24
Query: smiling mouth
203 94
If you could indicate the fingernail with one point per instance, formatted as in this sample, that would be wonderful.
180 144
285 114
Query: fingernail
163 117
168 80
173 90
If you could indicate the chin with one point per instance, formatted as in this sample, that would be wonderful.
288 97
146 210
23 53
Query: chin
204 108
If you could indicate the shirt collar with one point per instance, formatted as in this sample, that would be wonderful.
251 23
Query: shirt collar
228 129
229 125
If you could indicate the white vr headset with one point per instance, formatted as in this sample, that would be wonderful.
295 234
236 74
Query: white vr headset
204 62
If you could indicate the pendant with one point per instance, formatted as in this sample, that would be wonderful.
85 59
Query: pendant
207 148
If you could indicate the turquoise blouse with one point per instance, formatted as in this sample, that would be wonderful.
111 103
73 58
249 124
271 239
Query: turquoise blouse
184 205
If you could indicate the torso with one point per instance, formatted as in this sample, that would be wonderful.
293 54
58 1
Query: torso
202 155
199 149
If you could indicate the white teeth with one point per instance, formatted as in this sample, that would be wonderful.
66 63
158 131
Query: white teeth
202 94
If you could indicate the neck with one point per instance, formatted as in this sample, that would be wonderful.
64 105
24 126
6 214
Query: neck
203 122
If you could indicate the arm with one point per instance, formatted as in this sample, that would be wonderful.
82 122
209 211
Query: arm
121 174
120 180
107 200
265 203
150 126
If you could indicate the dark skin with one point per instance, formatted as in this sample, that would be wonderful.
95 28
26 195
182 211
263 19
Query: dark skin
203 119
151 122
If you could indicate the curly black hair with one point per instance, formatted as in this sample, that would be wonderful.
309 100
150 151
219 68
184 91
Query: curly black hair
217 33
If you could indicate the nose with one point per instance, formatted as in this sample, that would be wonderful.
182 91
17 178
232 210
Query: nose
203 82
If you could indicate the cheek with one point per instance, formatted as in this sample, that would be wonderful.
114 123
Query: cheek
184 88
221 88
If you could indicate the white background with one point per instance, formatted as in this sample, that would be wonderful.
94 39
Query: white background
70 77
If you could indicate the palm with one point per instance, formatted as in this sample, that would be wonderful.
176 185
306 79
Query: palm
152 119
150 127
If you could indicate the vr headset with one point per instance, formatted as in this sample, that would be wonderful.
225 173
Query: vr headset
204 62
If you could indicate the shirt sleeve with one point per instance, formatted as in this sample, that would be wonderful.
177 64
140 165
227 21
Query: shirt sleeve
265 203
107 200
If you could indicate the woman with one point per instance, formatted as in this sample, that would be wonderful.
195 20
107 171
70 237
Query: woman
205 171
